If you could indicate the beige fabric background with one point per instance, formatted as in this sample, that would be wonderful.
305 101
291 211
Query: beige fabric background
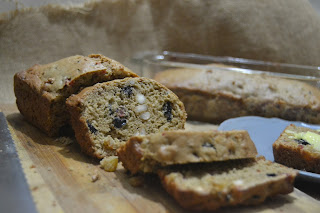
274 30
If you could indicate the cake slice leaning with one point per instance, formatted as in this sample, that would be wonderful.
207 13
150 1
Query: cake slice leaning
228 183
148 153
106 115
299 148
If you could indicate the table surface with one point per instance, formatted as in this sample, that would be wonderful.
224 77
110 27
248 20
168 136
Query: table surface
60 179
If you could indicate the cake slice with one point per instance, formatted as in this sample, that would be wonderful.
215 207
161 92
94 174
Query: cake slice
148 153
106 115
298 147
228 183
41 91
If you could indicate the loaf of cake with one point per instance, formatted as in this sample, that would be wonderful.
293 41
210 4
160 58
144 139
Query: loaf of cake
41 91
228 183
299 148
216 95
106 115
149 152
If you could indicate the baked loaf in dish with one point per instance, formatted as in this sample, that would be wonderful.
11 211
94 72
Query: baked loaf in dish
298 147
150 152
106 115
41 91
235 182
216 95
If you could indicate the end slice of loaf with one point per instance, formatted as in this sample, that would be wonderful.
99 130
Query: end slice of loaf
148 153
41 91
106 115
292 150
228 183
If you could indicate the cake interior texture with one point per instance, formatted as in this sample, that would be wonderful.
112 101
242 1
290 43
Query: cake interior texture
210 186
147 153
110 113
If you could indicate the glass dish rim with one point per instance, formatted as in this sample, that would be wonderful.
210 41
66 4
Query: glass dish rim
158 58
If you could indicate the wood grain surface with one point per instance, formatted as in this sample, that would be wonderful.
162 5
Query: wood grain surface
60 179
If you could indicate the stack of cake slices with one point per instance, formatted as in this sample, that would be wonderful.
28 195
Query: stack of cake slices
209 169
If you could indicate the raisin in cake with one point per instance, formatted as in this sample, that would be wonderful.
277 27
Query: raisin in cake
106 115
298 147
216 95
41 91
228 183
150 152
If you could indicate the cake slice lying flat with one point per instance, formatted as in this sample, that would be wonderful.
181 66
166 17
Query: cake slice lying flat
228 183
106 115
218 94
147 153
298 147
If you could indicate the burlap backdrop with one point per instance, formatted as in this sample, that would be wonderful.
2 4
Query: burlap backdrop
273 30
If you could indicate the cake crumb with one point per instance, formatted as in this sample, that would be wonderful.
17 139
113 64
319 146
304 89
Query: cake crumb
34 188
95 177
109 164
32 166
64 141
136 181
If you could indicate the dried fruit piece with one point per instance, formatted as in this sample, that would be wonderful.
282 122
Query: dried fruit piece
127 91
119 122
167 110
91 127
121 112
301 141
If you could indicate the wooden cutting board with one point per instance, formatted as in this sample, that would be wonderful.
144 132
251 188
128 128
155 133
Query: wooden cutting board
61 179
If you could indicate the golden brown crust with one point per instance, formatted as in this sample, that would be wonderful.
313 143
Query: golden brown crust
36 108
82 134
204 191
130 155
215 95
289 152
148 153
41 90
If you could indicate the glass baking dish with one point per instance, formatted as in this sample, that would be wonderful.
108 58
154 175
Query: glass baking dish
152 63
262 130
